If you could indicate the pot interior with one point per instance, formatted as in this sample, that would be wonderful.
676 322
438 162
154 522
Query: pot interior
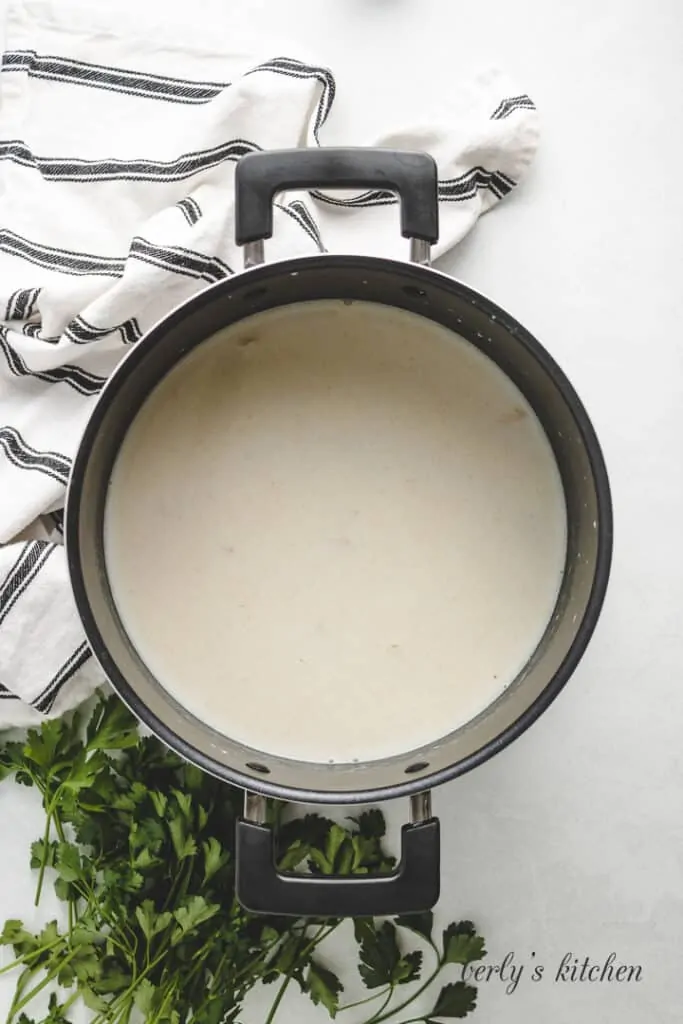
578 459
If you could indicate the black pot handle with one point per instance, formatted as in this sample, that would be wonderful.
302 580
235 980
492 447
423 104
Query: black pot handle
259 176
412 888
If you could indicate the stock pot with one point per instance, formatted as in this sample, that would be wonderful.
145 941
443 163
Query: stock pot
416 287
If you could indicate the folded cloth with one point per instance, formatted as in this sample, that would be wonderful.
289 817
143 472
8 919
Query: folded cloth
117 154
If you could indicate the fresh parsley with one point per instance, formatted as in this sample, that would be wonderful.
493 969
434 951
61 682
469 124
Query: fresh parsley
140 846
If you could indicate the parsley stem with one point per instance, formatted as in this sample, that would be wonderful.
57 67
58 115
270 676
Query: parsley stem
160 1013
211 993
363 1002
43 860
29 956
252 963
17 963
125 1014
47 980
319 936
125 997
71 1000
378 1014
278 998
59 829
215 983
381 1016
24 978
183 876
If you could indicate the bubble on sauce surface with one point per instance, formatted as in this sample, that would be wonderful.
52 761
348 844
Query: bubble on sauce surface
515 415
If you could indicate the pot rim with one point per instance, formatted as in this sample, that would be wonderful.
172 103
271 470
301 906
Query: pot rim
419 272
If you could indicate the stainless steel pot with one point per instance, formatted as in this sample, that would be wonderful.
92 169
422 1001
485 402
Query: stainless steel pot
411 286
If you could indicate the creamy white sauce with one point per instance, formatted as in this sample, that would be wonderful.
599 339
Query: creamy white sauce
335 531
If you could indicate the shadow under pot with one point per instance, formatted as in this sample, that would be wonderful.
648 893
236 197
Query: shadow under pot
339 529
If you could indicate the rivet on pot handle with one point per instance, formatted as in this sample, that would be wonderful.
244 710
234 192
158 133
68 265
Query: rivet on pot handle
412 888
259 176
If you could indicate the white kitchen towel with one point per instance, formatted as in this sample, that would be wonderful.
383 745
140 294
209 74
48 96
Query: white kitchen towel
117 154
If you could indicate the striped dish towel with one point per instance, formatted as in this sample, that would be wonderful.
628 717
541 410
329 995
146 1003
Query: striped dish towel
117 153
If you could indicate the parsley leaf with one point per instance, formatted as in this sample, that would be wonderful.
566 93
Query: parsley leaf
11 759
455 1000
371 824
381 960
14 934
144 997
112 727
461 944
68 862
408 967
323 987
421 924
150 922
215 857
195 912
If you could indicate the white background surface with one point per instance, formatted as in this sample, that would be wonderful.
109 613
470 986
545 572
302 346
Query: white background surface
571 840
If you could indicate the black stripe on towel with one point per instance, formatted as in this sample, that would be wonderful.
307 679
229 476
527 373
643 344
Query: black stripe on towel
15 568
62 260
158 87
178 260
174 259
21 303
190 210
130 331
476 180
512 103
31 560
31 304
451 190
103 76
292 68
47 698
33 330
300 213
81 332
113 169
80 380
23 456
